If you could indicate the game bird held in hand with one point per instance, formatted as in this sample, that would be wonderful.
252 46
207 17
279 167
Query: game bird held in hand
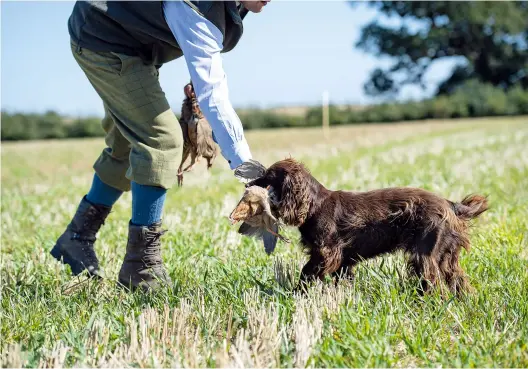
197 134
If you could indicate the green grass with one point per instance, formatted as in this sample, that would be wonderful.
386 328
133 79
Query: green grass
231 304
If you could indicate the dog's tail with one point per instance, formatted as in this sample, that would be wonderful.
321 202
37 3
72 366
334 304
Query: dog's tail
471 207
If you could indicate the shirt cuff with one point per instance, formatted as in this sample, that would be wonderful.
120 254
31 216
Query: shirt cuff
237 153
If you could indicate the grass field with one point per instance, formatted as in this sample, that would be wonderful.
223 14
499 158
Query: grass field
231 304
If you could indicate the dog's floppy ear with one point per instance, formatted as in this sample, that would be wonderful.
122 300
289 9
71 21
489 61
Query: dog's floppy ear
295 201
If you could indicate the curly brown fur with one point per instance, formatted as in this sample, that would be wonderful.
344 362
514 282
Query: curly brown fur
340 228
197 134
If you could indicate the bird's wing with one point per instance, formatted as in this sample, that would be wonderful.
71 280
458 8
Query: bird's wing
192 132
250 231
249 171
270 241
184 128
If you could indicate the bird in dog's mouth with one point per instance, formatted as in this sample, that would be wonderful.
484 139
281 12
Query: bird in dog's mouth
255 211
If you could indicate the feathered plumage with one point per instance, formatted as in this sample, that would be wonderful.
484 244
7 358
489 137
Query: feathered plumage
254 210
197 134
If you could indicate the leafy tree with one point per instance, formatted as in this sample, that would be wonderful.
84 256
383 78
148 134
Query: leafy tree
489 40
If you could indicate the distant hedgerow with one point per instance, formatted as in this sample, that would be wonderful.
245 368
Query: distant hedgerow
472 99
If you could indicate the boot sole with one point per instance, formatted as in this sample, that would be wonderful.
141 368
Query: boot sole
128 287
76 267
133 288
143 288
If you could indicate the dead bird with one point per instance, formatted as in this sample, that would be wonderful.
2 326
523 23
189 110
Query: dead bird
255 211
197 134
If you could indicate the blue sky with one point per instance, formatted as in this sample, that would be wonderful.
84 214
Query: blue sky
289 54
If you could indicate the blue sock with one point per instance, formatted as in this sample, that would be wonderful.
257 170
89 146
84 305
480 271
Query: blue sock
101 193
147 204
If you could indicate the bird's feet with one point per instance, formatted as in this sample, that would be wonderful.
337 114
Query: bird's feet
180 179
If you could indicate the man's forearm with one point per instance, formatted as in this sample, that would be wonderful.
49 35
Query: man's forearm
226 125
201 43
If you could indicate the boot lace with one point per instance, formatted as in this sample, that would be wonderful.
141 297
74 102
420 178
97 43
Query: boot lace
152 249
93 220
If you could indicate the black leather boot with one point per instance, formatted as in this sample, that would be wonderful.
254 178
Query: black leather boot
75 246
142 266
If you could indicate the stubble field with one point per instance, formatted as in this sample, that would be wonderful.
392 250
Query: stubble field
230 304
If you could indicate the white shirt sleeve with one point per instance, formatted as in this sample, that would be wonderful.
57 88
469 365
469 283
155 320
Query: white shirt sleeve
201 43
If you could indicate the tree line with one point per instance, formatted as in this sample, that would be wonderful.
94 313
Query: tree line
472 99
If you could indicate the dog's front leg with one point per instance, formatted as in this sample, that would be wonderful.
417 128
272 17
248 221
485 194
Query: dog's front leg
345 271
312 270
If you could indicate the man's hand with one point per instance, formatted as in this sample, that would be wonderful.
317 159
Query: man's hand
249 170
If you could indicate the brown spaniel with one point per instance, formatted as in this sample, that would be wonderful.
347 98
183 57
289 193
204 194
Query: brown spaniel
340 228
